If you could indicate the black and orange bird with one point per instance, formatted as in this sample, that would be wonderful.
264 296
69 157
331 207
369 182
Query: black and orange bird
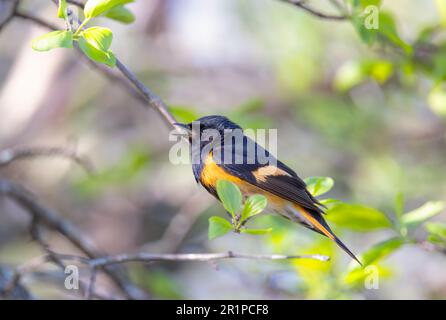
223 155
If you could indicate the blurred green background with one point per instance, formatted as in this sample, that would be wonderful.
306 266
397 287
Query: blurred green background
368 110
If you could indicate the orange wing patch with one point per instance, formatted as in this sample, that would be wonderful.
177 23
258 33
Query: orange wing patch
263 172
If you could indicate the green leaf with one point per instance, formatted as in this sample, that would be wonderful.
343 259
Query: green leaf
357 277
423 213
94 8
184 114
368 36
52 40
250 106
380 251
357 217
62 11
349 75
437 229
124 172
95 54
121 14
353 73
218 227
365 3
383 28
330 203
380 70
255 204
437 100
399 205
374 255
319 185
441 9
101 38
257 231
437 233
230 195
388 29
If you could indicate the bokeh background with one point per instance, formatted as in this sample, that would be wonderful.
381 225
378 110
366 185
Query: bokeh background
372 117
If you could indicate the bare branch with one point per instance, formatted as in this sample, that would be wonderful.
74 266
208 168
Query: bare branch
53 220
10 286
301 4
10 155
77 3
91 283
200 257
7 11
36 20
180 224
430 247
151 98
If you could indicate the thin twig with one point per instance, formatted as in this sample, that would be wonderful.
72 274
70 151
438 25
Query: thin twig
180 224
91 283
430 247
181 257
139 91
10 155
36 20
53 221
151 98
303 6
10 8
79 4
11 287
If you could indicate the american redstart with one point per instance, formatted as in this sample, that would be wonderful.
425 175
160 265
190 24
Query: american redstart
220 150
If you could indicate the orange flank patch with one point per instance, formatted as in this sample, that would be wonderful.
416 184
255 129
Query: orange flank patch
212 173
314 222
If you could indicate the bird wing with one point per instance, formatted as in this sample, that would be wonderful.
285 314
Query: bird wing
274 176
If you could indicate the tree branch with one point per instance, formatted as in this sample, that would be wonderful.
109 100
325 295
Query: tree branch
10 286
301 4
182 257
53 220
26 16
8 9
10 155
77 3
139 90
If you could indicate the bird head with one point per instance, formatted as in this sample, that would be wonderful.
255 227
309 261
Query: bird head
213 122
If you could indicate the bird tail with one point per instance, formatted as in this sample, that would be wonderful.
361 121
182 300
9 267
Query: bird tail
320 225
347 250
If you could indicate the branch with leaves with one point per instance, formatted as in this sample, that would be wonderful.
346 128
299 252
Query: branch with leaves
95 43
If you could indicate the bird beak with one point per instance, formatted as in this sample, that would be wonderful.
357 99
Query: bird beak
183 126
